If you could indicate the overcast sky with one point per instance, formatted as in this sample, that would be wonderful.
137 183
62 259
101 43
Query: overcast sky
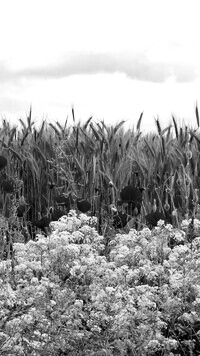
110 59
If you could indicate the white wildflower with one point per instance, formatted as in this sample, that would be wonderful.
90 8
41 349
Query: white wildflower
44 281
78 303
34 281
153 344
84 219
110 290
169 227
72 213
171 344
27 318
161 223
179 236
93 220
52 302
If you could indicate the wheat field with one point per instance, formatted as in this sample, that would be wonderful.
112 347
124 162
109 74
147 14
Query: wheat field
48 170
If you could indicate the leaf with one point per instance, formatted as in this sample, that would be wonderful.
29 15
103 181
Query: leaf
29 117
195 136
33 166
65 124
88 139
138 136
81 169
166 129
103 126
139 121
16 154
197 114
77 134
59 125
169 133
116 128
175 126
55 130
24 137
163 147
12 134
94 132
38 150
41 131
151 149
4 144
87 123
73 116
23 124
94 169
158 126
127 144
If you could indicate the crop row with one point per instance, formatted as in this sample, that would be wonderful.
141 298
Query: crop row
113 173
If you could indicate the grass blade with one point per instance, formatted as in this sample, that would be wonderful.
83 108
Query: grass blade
158 126
175 126
73 115
197 114
139 121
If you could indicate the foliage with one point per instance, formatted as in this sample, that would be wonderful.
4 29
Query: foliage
95 161
61 295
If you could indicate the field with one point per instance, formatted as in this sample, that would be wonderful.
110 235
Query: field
99 243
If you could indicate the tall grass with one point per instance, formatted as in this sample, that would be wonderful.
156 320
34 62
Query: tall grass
85 158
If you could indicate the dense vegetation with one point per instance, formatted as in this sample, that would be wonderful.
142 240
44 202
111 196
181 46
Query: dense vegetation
55 166
60 295
141 284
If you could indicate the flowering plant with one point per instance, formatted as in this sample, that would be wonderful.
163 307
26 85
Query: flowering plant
60 295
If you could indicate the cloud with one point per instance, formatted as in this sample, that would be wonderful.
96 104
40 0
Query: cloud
185 73
5 73
135 66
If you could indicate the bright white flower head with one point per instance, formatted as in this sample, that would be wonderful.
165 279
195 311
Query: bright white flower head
160 223
78 303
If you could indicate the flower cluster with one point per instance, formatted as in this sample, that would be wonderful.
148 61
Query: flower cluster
185 224
61 294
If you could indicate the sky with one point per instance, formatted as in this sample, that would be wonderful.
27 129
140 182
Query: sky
110 59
